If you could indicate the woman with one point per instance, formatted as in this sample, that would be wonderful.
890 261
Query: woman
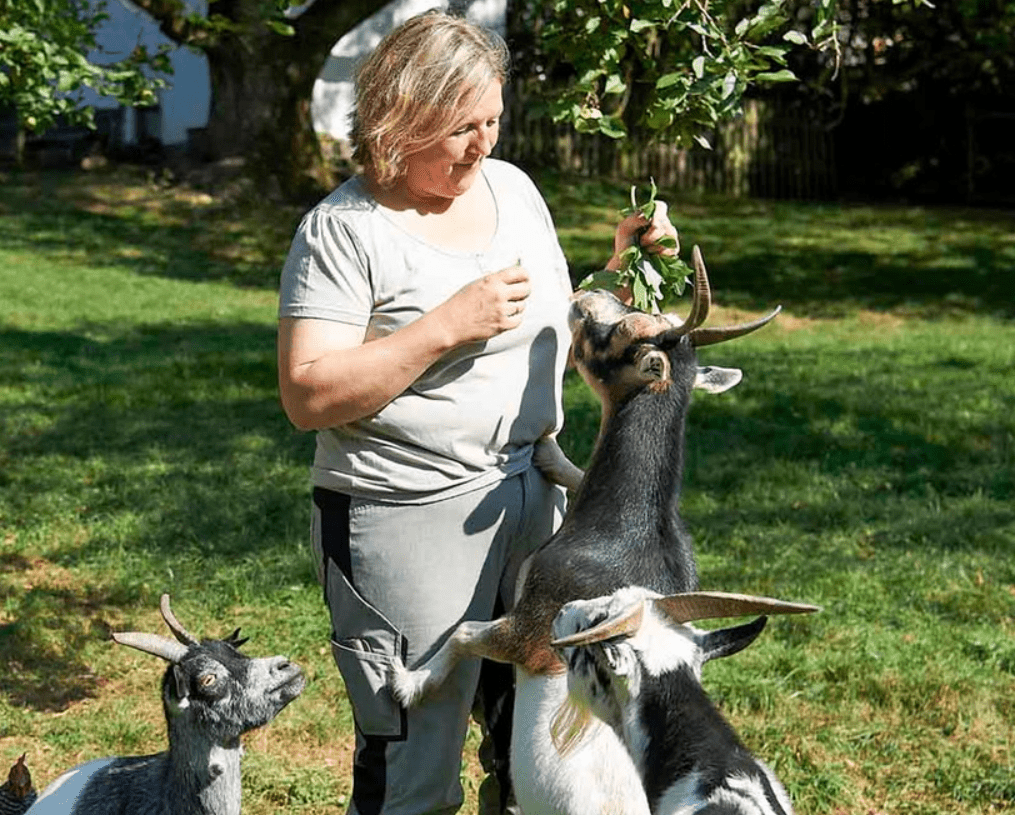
423 336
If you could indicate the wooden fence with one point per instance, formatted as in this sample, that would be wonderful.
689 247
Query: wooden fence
767 152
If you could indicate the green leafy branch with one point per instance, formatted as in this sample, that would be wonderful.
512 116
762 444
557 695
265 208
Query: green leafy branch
674 69
651 276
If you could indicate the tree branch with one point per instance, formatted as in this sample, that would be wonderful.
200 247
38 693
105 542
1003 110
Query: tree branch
180 23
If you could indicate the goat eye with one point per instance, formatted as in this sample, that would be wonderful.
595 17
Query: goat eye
206 681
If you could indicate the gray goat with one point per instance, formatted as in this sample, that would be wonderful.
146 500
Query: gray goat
211 695
634 663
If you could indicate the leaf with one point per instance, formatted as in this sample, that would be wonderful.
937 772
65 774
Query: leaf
668 80
659 118
729 84
603 279
698 66
281 28
785 75
795 37
614 85
702 141
640 294
612 127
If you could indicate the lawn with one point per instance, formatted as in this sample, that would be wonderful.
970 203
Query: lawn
866 463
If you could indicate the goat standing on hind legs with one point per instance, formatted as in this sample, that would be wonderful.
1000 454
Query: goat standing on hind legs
623 528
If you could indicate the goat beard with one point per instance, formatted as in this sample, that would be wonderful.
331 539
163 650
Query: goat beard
570 725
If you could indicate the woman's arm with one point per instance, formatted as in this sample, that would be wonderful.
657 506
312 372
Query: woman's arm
328 375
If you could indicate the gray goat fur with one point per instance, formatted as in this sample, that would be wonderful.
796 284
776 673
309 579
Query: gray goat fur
211 695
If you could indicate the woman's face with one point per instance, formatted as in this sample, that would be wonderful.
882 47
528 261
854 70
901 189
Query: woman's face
447 169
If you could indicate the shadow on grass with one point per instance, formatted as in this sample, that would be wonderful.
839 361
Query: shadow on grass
821 259
158 459
810 469
44 664
152 231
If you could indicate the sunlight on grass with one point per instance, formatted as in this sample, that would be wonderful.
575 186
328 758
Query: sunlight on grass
866 463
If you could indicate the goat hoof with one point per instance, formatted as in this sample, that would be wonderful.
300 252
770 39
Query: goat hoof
406 686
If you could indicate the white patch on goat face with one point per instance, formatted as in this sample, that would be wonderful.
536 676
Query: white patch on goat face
664 646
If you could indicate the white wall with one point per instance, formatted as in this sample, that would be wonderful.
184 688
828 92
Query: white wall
333 92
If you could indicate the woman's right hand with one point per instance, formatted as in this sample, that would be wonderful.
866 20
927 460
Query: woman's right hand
329 376
486 307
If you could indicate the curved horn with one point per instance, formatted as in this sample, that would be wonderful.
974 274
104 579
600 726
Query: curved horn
705 605
702 300
152 644
710 336
178 630
625 623
700 303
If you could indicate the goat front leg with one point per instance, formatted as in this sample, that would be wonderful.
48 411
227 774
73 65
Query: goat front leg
469 639
551 461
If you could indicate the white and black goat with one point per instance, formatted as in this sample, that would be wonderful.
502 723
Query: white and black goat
622 528
211 695
634 663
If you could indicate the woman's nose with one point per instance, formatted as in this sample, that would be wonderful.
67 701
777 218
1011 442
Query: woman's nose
486 138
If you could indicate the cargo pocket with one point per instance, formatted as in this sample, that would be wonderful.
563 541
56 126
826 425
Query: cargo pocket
365 645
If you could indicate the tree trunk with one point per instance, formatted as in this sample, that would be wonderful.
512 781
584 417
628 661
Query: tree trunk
262 82
260 110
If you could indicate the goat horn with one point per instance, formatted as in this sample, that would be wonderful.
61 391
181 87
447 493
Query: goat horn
152 644
704 605
702 300
623 624
710 336
700 303
178 630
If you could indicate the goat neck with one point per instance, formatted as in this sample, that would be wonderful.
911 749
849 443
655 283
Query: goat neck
637 464
206 774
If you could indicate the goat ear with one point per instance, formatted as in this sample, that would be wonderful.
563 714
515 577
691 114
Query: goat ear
713 379
724 642
624 624
181 692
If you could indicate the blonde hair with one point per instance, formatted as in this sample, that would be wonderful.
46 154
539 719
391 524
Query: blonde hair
416 86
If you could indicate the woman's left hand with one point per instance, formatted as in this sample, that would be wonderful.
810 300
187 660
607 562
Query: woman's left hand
647 232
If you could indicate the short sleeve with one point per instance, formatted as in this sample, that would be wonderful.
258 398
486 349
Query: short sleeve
326 275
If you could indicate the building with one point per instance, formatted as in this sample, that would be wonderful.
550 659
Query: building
184 104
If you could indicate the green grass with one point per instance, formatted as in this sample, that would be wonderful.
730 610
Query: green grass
866 463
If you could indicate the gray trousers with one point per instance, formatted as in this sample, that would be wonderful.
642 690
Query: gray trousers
397 579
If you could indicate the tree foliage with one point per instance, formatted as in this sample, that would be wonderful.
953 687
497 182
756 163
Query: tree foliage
674 68
44 65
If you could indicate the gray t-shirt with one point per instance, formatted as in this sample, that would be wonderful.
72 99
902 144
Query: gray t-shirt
472 417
